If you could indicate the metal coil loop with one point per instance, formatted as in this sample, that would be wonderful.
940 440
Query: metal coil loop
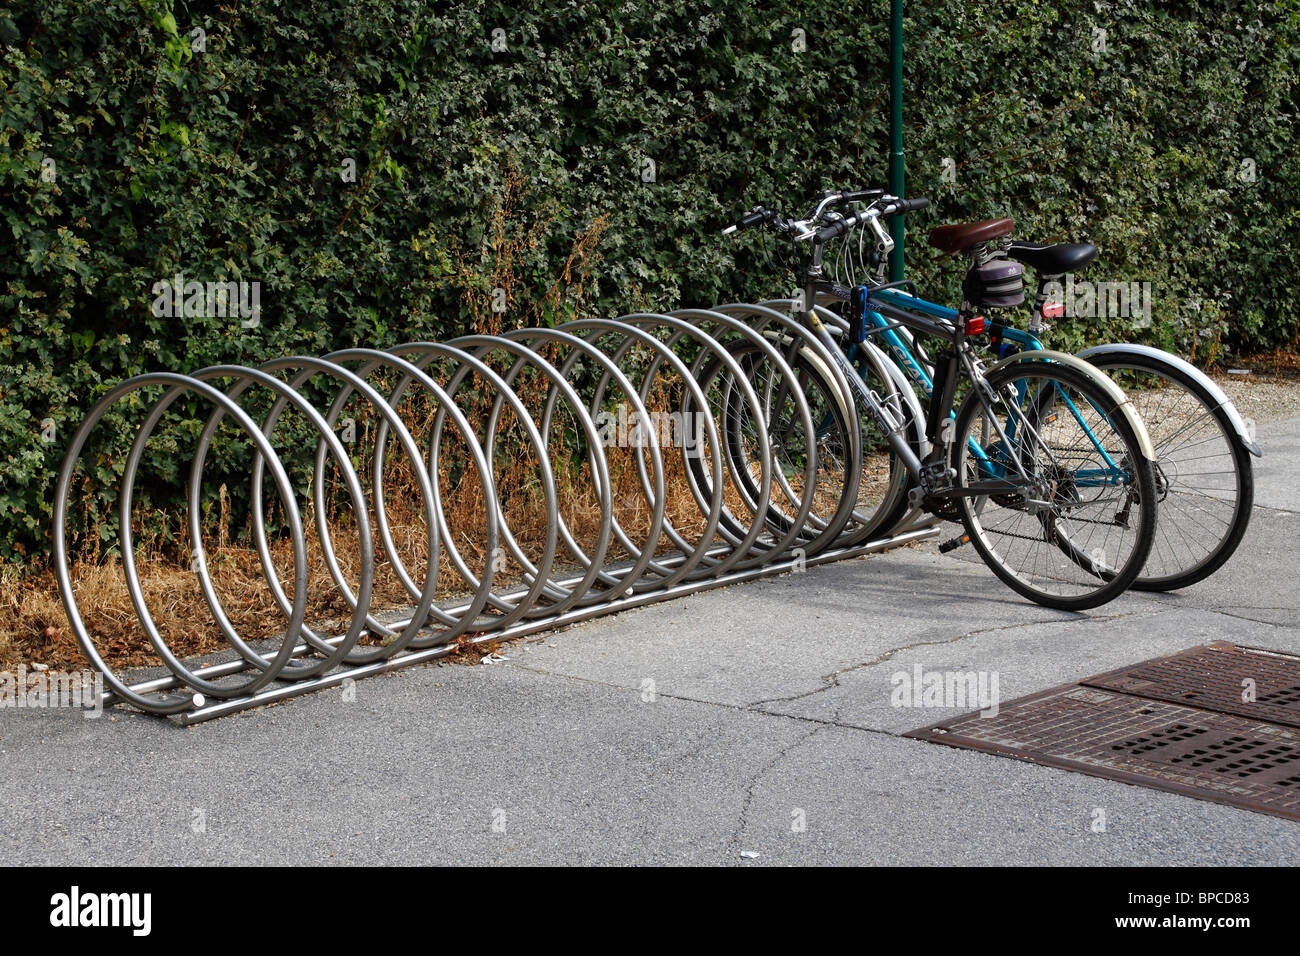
452 419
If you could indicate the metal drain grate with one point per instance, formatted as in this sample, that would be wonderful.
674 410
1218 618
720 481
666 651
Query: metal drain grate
1221 677
1129 725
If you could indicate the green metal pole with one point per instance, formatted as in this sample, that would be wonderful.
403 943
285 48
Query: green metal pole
896 132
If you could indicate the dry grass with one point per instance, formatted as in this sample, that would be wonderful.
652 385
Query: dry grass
1278 363
34 627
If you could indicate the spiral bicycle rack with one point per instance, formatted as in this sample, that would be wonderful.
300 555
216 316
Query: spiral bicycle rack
750 517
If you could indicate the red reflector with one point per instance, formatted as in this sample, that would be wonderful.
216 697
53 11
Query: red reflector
1053 310
974 324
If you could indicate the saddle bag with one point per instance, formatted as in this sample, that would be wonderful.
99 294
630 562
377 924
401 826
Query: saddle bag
998 283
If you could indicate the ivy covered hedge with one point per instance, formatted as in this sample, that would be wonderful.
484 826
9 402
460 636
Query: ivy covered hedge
381 169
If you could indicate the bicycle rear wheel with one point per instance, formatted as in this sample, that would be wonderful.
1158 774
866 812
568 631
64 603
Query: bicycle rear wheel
1204 477
1065 476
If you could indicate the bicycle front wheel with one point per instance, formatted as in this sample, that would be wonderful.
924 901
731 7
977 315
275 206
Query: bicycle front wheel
1053 470
876 491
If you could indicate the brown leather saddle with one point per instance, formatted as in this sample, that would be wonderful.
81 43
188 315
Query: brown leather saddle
960 237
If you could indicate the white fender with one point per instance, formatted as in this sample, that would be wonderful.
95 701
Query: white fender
1216 394
1091 371
906 390
884 364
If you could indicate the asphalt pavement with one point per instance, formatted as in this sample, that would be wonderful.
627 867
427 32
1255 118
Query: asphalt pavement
751 725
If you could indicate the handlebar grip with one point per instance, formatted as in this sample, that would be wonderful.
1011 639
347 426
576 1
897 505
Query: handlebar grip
910 205
755 217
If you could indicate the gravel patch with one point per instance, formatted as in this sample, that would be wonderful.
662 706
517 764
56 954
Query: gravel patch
1264 399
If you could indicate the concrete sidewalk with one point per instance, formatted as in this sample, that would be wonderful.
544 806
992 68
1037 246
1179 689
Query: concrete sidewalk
755 718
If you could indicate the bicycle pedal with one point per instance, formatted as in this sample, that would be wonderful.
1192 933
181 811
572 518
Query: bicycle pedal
953 544
937 475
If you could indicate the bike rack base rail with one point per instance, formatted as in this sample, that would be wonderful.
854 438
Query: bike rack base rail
927 528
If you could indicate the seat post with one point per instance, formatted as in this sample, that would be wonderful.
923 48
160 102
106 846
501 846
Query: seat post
1037 324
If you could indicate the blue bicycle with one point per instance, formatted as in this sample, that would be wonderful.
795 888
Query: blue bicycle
1203 445
1040 456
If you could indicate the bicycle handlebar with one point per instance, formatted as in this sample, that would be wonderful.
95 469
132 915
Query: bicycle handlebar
759 215
881 205
894 207
863 195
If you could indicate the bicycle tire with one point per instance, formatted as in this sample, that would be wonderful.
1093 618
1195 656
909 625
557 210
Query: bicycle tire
1053 507
879 503
1163 572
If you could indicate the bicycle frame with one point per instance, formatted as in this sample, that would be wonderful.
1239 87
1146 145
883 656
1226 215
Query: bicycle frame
933 474
898 304
1023 475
